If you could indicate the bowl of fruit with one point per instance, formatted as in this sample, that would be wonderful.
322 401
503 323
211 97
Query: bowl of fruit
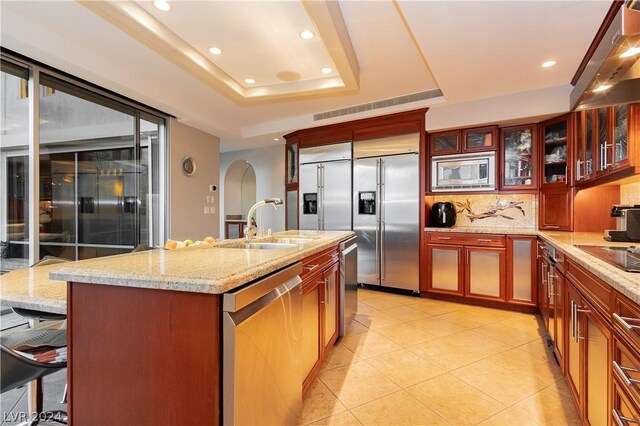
175 244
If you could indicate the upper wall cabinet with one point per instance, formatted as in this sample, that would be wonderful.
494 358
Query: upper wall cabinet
518 158
468 140
606 143
556 151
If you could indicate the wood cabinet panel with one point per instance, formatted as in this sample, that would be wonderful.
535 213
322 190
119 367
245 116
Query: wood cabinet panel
331 279
623 411
626 369
445 270
127 385
626 320
598 363
598 293
311 337
483 240
556 209
485 272
575 347
521 270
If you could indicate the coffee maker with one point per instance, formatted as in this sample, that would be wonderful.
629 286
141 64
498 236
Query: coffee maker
627 222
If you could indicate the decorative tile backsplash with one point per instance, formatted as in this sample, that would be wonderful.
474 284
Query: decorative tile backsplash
630 193
493 210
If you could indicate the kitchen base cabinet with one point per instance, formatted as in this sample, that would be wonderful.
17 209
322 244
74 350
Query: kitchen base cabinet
320 300
598 364
484 269
575 346
445 274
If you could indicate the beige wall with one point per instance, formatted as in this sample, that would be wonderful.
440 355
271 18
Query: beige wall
188 194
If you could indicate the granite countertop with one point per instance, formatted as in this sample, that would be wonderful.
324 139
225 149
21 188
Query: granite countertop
627 283
210 269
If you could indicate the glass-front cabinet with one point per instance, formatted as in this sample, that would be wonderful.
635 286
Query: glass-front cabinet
585 154
291 184
620 133
480 139
555 152
292 163
444 143
517 149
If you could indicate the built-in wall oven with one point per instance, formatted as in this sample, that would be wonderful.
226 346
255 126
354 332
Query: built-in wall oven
464 172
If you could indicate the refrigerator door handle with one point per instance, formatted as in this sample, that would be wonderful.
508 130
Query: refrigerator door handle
383 255
378 215
322 211
319 201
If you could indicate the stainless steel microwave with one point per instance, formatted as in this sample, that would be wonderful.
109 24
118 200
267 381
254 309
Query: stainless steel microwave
464 172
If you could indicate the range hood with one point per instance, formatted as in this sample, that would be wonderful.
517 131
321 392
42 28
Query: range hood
608 65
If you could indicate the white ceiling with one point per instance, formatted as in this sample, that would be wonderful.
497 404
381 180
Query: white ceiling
485 56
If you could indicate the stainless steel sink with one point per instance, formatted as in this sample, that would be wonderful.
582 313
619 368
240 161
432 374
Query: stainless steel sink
298 241
261 246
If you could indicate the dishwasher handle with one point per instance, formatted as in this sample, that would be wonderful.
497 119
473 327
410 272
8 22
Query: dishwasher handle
236 300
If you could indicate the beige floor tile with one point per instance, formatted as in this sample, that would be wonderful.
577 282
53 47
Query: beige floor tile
544 408
343 419
561 387
437 326
357 384
467 319
498 382
339 356
529 322
477 343
405 368
544 371
367 345
405 334
406 313
538 347
436 307
365 294
356 328
399 408
443 354
383 302
504 332
365 308
376 319
319 403
454 400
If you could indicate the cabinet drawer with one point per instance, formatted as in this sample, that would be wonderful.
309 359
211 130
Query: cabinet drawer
626 320
624 411
626 368
318 262
596 291
467 239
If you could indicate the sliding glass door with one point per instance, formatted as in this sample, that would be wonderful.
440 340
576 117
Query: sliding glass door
100 172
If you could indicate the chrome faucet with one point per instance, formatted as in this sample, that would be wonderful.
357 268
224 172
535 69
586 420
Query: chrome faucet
250 230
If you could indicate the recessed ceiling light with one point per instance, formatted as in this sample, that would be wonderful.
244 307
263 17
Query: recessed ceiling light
215 51
602 88
326 70
548 64
249 80
276 139
630 52
307 35
162 5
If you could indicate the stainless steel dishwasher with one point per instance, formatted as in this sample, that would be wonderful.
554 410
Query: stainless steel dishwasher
348 283
262 335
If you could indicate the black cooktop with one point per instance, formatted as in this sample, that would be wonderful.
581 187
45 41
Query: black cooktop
625 258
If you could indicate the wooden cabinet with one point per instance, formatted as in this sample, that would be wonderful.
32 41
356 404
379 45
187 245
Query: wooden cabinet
466 140
607 143
518 159
291 183
555 152
485 272
320 295
555 209
557 315
575 346
521 270
481 266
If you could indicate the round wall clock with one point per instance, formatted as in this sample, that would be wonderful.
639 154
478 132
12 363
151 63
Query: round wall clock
188 166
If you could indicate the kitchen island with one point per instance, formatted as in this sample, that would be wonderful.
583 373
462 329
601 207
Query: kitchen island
145 329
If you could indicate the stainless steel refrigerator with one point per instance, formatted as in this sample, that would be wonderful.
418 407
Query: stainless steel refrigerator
386 193
325 188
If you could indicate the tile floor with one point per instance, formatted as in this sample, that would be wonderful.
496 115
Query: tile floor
414 361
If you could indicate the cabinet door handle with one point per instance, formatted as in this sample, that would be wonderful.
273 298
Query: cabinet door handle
578 176
444 238
552 227
468 256
544 273
621 372
621 420
485 240
624 323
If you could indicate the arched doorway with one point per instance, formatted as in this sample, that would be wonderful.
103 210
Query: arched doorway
239 196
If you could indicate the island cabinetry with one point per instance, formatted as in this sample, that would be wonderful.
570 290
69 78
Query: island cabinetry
127 344
320 280
482 267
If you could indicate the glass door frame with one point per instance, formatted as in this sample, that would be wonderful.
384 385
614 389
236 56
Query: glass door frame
99 96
